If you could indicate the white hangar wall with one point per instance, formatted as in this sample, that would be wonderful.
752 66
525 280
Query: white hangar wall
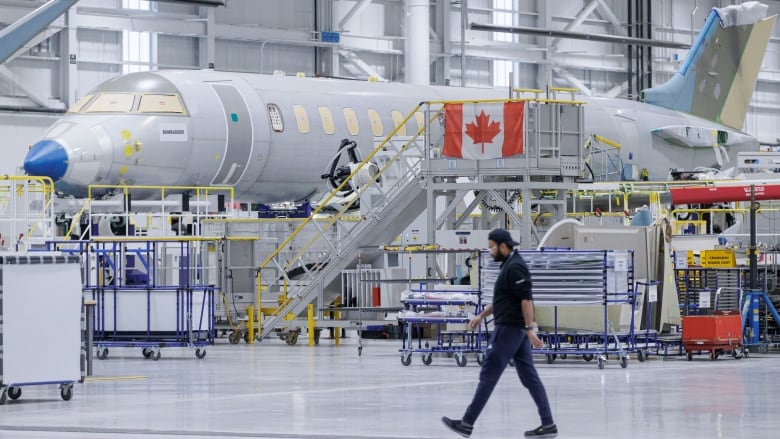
18 131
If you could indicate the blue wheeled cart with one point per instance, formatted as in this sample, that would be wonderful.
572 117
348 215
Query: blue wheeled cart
40 290
438 310
574 291
149 294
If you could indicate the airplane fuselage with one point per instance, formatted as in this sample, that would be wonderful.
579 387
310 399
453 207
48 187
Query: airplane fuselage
272 137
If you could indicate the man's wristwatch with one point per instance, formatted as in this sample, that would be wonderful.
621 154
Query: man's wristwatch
528 328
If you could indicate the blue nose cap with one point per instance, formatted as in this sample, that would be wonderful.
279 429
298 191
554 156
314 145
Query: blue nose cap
47 158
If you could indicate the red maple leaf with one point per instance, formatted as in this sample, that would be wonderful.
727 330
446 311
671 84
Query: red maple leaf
484 130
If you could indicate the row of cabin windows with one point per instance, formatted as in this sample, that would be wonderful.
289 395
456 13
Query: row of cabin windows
164 103
124 103
350 118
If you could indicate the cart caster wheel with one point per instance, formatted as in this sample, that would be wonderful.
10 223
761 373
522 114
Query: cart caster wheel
200 353
763 348
737 354
713 356
102 354
460 359
427 359
564 356
602 362
155 355
587 357
624 362
14 392
292 337
406 359
234 337
746 352
317 335
641 356
146 352
551 358
66 392
480 359
689 356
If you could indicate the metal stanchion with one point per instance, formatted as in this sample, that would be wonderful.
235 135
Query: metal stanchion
89 311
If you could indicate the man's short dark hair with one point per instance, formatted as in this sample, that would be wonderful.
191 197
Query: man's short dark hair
501 235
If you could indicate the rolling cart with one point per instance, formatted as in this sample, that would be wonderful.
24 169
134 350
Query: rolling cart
41 289
717 334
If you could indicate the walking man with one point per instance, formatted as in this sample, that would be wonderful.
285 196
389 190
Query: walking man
512 337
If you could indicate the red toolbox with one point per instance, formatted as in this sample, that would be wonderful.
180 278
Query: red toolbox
716 334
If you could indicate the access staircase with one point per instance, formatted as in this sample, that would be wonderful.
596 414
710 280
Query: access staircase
395 191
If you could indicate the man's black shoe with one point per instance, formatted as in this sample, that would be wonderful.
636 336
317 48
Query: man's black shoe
542 431
457 426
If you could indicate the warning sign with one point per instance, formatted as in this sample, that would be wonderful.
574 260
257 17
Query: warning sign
718 259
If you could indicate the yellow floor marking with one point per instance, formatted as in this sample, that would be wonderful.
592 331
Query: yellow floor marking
136 377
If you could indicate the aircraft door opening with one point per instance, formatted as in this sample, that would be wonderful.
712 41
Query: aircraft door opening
238 145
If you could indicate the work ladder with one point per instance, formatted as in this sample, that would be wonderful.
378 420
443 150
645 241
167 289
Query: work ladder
393 191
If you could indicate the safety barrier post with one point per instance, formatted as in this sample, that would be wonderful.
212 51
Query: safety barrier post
311 323
250 324
336 329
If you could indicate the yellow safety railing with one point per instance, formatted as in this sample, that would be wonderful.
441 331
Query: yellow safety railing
76 218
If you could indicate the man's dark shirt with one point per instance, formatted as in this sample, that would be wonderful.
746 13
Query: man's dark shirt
512 286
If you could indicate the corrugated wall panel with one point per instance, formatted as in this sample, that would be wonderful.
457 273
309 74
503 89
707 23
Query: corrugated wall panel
284 14
252 57
181 52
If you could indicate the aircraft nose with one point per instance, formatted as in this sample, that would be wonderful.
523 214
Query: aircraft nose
47 158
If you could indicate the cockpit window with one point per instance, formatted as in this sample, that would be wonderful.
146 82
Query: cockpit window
112 103
159 103
75 108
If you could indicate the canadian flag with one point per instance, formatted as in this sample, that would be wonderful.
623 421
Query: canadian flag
491 130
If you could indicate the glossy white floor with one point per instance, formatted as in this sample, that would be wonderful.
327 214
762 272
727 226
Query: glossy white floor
272 390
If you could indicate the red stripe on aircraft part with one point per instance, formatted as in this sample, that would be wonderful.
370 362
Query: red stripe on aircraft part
707 195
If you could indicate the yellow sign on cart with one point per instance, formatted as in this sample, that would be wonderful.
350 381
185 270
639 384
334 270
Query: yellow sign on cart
718 259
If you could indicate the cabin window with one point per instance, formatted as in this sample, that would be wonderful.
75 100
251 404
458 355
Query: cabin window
75 108
376 122
112 103
156 103
420 117
275 116
398 119
327 121
302 119
352 122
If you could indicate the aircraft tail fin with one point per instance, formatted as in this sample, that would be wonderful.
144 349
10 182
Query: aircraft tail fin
717 78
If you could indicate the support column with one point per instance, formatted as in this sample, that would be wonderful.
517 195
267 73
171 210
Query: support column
443 71
417 45
208 44
68 59
526 221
